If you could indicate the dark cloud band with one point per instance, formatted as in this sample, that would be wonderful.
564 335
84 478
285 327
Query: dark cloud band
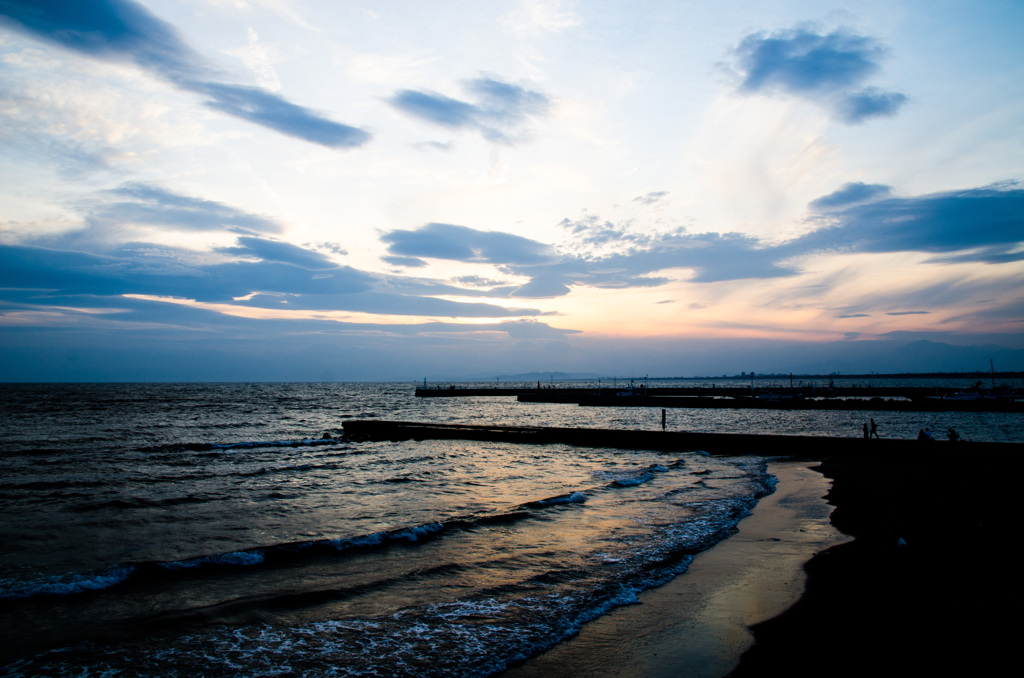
983 225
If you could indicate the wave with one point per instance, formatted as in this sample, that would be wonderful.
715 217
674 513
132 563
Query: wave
243 445
632 479
76 583
276 554
571 498
235 559
66 585
481 634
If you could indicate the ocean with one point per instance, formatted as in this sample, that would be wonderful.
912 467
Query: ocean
230 529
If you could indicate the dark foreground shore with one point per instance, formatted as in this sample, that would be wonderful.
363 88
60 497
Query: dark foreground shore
940 602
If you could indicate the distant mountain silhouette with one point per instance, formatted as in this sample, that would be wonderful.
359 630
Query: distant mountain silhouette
548 376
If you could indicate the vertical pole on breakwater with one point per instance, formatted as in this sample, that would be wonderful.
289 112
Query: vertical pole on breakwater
662 419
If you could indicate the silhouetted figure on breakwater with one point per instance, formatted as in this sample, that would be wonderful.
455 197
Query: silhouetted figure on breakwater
874 428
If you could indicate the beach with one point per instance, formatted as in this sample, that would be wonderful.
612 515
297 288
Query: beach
853 565
697 625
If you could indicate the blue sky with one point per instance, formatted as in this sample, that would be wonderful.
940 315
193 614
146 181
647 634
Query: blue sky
260 189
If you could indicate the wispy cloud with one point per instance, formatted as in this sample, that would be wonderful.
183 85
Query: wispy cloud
553 273
151 205
261 249
460 243
269 275
982 295
712 257
650 198
871 102
850 194
407 262
123 30
257 271
159 340
270 110
499 110
826 68
133 211
533 17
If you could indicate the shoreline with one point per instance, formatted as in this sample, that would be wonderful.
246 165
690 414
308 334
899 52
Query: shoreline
697 625
818 582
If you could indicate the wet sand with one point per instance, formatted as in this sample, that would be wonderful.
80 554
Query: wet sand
698 624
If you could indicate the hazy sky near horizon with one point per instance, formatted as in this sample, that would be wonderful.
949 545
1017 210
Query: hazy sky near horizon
353 190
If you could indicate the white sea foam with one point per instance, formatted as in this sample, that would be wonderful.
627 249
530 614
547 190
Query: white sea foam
416 533
65 585
571 498
411 534
633 480
237 558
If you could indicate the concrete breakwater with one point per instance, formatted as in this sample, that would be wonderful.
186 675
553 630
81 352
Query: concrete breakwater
805 447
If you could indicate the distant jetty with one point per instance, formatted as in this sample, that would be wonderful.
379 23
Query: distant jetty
806 447
864 398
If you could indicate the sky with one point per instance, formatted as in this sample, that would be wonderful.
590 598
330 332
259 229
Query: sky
278 190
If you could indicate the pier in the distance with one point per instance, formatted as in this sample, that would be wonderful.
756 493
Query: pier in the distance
860 398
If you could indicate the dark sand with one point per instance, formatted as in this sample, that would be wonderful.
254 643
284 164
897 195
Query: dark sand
943 603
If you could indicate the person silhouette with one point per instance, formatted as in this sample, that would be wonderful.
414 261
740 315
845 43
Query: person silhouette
874 428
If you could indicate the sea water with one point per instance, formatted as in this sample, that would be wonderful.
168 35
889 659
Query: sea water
184 529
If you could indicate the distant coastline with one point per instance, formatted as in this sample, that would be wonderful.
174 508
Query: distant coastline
563 376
